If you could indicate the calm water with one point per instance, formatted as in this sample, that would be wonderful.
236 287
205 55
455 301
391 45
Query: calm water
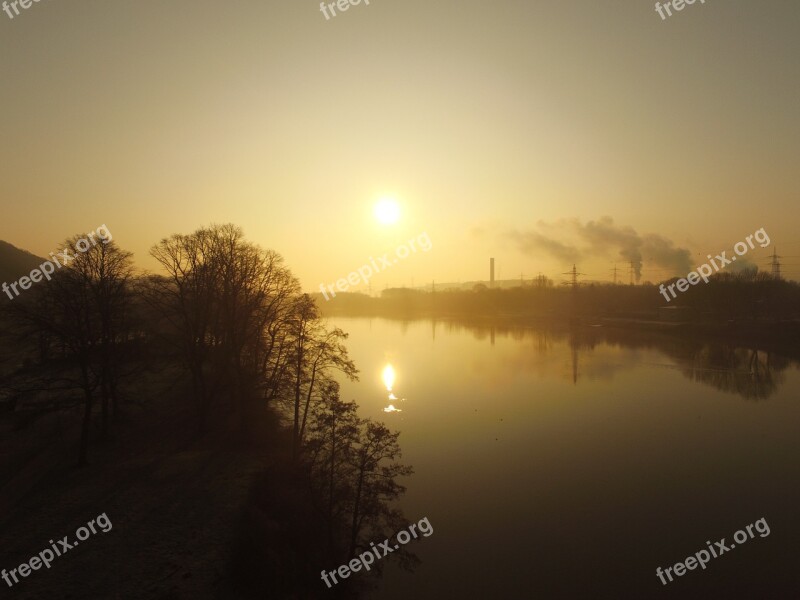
571 466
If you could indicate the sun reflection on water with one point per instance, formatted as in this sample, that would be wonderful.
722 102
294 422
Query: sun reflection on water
389 377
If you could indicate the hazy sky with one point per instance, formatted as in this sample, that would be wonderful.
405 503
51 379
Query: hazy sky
487 122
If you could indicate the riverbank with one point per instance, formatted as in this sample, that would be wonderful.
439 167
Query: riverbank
222 516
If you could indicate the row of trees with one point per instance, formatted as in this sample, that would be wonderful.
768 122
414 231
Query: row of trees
232 318
236 317
76 328
745 294
231 313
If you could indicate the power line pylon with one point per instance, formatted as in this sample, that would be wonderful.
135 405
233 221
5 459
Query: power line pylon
776 265
574 273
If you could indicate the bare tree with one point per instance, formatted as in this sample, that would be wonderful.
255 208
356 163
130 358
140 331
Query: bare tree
354 471
376 487
81 311
185 297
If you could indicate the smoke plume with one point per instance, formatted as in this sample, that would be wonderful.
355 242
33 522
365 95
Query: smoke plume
605 238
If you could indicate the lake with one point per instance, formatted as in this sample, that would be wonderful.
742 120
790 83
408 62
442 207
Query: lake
572 464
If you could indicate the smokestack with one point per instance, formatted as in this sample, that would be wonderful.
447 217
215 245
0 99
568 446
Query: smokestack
491 272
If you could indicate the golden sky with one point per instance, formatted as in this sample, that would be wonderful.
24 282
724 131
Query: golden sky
486 121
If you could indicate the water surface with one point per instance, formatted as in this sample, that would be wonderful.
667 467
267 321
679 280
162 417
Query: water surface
572 464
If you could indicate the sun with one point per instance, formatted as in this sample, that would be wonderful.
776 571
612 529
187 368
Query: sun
387 211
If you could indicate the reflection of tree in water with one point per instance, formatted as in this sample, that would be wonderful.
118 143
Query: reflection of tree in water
544 341
751 373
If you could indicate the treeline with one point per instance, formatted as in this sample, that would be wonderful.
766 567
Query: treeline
747 294
232 320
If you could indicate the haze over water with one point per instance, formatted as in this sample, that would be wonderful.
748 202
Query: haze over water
537 483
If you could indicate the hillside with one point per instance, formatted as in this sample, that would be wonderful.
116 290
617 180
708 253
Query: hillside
14 263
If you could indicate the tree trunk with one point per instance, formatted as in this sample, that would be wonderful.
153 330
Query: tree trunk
83 454
308 401
330 486
104 404
356 507
296 431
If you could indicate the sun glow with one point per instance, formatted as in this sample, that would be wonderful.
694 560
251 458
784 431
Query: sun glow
387 211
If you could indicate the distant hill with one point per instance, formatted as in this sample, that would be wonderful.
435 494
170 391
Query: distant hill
14 263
